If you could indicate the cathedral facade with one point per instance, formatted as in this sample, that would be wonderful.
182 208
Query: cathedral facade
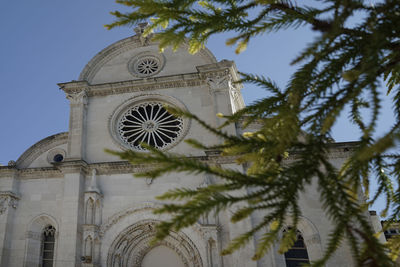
65 202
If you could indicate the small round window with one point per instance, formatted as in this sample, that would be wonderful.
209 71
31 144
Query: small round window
149 123
146 64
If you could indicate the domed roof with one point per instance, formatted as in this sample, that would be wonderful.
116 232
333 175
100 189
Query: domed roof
136 57
41 153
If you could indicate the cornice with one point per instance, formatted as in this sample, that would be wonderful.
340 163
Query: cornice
336 151
222 68
9 194
40 173
8 171
148 84
72 166
103 168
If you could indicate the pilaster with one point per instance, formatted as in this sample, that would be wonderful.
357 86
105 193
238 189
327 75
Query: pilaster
72 214
8 204
221 79
242 256
78 103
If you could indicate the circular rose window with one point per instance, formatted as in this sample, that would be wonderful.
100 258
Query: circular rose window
146 64
149 123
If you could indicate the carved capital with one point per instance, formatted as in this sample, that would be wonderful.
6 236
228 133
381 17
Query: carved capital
7 199
78 98
219 82
234 91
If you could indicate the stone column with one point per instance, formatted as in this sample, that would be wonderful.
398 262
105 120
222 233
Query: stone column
8 204
70 233
78 103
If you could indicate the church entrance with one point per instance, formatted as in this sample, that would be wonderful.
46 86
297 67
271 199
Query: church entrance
132 248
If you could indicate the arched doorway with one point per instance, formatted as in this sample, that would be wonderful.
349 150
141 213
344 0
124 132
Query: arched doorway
132 248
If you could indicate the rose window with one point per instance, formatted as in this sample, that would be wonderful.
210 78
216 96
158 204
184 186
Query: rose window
147 66
149 123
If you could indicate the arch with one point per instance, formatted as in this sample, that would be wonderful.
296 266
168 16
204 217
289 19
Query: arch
48 245
143 210
90 211
34 238
97 212
311 237
124 45
298 253
133 243
41 147
116 224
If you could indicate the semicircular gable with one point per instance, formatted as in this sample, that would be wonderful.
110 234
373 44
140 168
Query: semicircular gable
41 147
113 64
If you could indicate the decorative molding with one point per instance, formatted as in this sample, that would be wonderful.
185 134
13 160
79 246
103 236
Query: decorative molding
12 163
8 199
72 166
39 173
40 147
139 30
219 83
132 244
90 230
78 98
122 214
146 98
134 63
142 85
336 151
54 152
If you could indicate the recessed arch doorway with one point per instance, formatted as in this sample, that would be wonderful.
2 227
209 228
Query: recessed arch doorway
132 248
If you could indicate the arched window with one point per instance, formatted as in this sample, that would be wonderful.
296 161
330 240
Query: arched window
48 242
297 254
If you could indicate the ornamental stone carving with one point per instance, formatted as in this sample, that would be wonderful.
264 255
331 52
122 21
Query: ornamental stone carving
7 199
78 98
220 82
144 119
139 30
132 245
12 163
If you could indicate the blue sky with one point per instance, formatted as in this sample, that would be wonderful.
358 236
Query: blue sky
50 41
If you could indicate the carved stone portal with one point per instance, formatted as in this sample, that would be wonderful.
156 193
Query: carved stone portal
132 245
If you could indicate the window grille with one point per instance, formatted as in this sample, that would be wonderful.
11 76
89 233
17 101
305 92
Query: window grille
297 254
48 242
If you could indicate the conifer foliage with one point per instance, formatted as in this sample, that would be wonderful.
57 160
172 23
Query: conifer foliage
347 68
